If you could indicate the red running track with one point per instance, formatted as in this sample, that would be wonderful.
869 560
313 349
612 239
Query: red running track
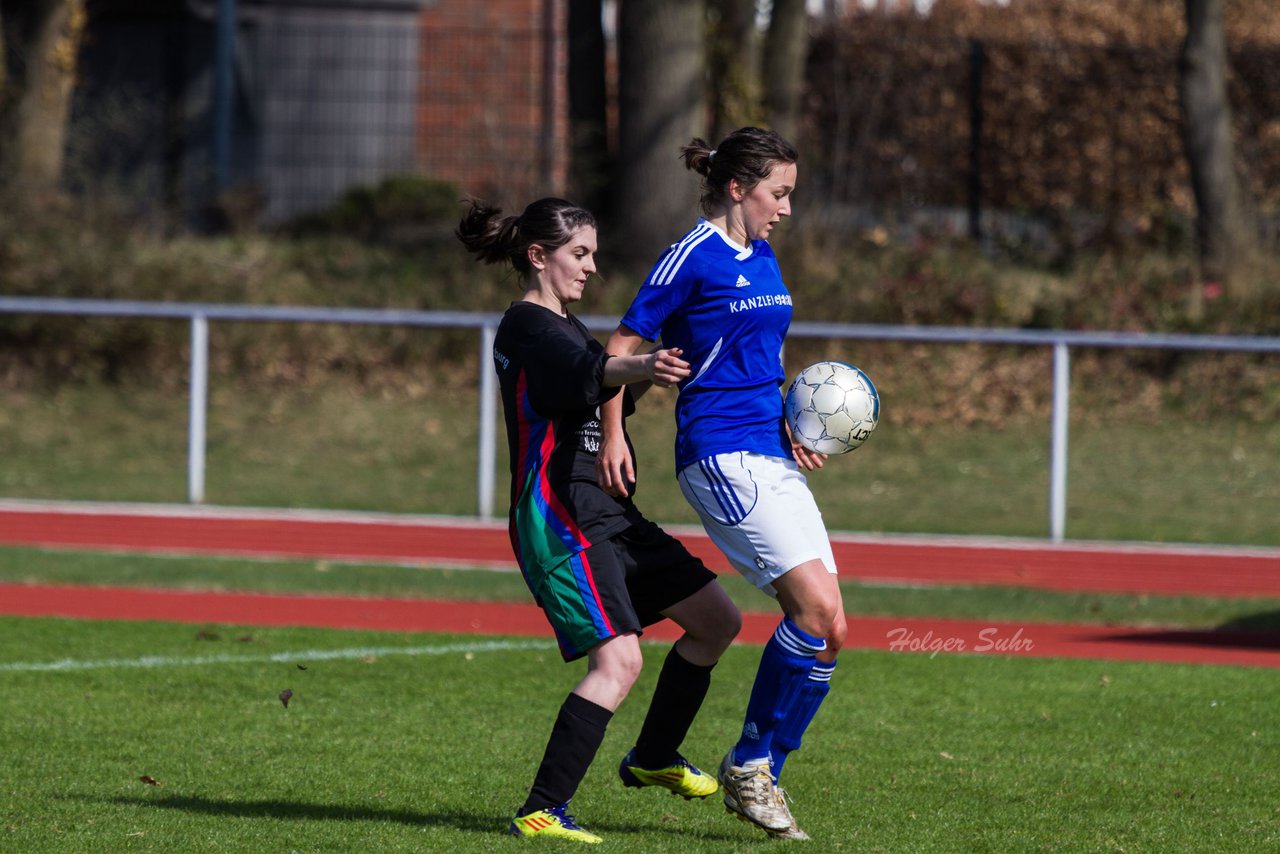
1103 568
913 635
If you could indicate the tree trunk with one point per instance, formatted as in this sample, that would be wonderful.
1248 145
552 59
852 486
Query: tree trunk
785 50
733 60
41 41
1221 228
661 105
588 122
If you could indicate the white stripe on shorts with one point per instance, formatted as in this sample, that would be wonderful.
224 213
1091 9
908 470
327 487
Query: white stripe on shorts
757 510
732 510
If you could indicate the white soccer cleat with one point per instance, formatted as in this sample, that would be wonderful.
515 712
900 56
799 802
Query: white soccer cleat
749 794
792 832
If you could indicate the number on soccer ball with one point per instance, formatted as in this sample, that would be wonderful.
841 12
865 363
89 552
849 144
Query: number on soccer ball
832 407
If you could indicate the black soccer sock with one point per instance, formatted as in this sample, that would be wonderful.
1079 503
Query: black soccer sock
575 738
681 688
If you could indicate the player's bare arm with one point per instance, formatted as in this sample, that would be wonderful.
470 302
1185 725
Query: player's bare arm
662 367
615 470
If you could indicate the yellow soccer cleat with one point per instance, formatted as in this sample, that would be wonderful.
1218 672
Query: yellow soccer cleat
551 823
682 778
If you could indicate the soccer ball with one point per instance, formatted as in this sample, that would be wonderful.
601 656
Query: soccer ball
832 407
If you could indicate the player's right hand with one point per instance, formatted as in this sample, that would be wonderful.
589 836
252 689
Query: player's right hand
666 368
807 459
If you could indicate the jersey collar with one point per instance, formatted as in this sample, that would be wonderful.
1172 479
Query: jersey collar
742 252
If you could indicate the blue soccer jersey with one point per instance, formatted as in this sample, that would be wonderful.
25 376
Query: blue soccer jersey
725 305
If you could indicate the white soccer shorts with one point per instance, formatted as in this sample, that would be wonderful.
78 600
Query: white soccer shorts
759 511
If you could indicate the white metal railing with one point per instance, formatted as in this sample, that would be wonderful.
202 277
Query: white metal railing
199 315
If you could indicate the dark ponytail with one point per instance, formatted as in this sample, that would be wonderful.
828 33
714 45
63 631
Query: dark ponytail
697 156
494 238
747 155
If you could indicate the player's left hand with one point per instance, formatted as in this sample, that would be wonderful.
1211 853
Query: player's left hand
807 459
615 470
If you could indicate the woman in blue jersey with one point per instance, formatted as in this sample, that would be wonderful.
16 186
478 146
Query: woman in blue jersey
600 571
717 296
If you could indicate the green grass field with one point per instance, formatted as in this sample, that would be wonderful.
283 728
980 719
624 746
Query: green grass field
427 743
334 446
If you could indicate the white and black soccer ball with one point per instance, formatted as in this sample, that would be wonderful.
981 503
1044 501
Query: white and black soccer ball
832 407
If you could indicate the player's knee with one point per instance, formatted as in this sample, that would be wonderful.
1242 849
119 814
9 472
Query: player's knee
723 626
617 666
713 625
625 670
836 637
818 617
707 639
617 684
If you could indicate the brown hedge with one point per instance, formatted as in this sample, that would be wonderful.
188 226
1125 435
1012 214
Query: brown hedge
1080 121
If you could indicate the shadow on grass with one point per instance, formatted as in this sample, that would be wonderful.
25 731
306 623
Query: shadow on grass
1232 635
1267 621
301 811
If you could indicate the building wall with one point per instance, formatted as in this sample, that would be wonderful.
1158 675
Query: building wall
492 103
332 95
328 95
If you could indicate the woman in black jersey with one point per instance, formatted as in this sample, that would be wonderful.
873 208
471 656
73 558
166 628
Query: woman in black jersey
600 571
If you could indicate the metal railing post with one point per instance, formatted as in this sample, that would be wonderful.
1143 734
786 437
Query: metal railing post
199 315
488 414
1058 442
199 407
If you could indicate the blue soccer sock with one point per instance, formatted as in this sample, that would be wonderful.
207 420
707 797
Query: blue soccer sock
784 669
789 732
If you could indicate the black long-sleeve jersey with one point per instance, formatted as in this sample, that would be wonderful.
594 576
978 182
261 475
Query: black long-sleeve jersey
550 370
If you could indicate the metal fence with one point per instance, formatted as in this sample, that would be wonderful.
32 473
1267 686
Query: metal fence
199 315
309 100
905 125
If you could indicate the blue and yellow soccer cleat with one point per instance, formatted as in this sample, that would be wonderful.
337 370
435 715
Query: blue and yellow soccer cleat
552 823
683 778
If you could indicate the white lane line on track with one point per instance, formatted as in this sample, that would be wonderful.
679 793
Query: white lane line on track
70 664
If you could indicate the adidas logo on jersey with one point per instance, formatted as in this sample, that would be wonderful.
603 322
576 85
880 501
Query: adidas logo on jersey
742 281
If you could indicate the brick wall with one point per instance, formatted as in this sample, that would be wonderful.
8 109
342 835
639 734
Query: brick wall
492 114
